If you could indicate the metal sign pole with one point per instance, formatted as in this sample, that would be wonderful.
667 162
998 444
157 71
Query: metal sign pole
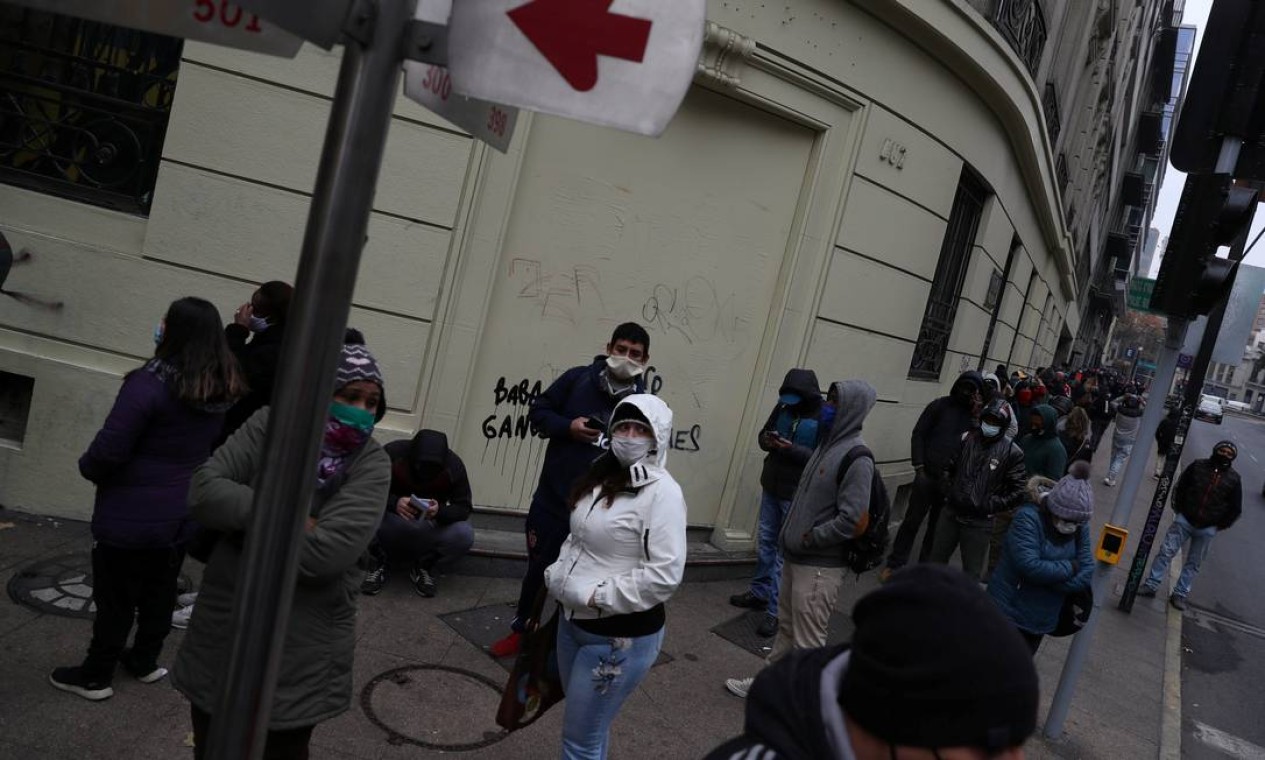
1166 368
355 139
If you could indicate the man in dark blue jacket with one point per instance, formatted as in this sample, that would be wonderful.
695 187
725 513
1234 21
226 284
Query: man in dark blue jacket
572 413
936 441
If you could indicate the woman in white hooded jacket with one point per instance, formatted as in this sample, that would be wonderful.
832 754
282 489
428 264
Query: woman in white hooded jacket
623 560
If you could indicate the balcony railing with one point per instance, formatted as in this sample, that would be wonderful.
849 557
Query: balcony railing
1021 23
1050 105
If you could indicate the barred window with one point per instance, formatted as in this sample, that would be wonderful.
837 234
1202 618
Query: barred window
83 107
946 288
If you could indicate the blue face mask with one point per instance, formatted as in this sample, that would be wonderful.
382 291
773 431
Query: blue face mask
827 419
158 333
258 324
989 430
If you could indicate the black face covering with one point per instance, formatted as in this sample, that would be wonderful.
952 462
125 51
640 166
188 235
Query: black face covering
1221 462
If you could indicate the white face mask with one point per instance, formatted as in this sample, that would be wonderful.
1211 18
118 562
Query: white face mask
623 368
1066 527
630 450
990 431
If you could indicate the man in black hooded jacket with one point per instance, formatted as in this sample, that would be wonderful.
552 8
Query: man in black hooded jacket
936 440
987 478
789 437
426 524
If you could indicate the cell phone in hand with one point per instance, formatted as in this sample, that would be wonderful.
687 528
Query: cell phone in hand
422 505
593 423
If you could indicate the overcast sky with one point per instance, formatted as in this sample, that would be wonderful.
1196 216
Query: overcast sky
1171 190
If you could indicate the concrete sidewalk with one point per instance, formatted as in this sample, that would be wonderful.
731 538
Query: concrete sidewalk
420 684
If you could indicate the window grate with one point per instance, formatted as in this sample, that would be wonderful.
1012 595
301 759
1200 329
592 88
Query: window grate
946 288
83 107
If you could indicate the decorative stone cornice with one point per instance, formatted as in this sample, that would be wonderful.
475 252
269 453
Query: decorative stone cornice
725 55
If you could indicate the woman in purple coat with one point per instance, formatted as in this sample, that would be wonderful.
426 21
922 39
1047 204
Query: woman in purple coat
161 428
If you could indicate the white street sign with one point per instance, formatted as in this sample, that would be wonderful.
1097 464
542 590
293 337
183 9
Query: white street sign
618 63
216 21
431 86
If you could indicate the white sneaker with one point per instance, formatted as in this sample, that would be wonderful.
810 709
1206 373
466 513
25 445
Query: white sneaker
739 686
1109 482
180 618
187 599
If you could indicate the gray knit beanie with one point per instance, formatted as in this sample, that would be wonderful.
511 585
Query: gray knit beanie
1072 498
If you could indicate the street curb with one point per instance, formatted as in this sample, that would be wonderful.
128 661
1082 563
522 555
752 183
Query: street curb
1171 721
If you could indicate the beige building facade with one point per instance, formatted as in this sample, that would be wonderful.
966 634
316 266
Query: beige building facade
866 188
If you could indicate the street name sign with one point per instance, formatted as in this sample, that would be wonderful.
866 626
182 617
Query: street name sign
431 85
619 63
1140 290
216 21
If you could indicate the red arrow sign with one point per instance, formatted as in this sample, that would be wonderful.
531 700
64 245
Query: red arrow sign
571 34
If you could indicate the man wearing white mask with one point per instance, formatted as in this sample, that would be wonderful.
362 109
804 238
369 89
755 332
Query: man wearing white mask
573 414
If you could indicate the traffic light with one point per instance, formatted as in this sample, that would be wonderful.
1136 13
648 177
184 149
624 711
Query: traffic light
1212 213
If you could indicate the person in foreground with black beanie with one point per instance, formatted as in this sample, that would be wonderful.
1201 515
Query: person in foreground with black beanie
934 672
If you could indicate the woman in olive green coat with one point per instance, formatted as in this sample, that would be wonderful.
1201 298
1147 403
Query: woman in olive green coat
353 476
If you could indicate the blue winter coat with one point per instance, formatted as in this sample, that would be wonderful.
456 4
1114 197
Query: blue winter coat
1035 574
142 461
577 393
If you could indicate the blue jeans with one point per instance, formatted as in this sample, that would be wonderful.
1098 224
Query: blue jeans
1178 533
598 674
768 566
1120 451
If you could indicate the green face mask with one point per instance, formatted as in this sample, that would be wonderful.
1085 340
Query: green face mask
352 416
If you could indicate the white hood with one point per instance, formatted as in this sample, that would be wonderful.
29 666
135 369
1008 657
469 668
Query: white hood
655 464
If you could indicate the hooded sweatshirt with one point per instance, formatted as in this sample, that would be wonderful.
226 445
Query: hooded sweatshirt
1044 455
938 433
627 556
829 510
797 424
425 467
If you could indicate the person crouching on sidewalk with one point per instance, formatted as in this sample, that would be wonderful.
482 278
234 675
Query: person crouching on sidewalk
427 520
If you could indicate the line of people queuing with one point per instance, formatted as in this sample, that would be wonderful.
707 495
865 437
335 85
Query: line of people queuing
605 532
174 466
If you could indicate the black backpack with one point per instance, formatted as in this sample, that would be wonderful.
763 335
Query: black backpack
866 551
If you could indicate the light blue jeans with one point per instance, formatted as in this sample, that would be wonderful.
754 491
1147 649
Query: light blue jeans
1178 533
598 673
1120 451
768 566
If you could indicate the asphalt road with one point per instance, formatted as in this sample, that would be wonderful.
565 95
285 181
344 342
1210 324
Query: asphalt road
1223 631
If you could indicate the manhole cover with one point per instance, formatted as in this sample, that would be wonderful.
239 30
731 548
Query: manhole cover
60 586
408 702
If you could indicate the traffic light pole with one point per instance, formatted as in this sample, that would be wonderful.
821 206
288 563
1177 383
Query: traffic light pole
355 138
1165 371
1189 403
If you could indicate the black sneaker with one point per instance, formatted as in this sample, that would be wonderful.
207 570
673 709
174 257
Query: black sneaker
748 600
1146 592
74 681
1178 602
423 581
374 580
768 627
145 672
